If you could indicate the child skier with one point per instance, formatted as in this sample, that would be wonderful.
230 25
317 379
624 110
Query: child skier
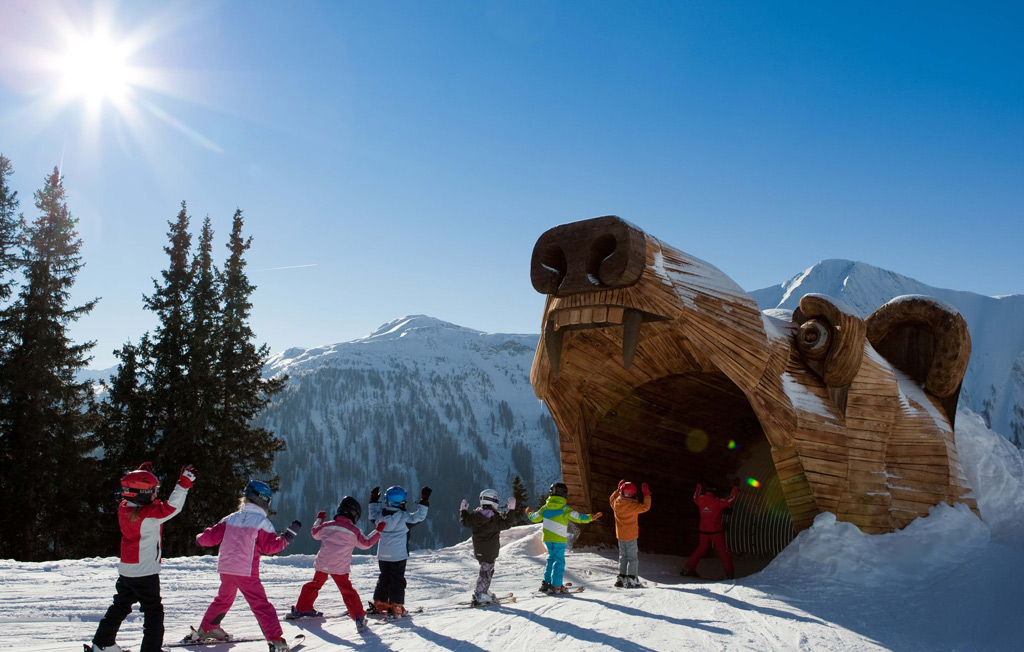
243 537
628 508
556 516
393 549
486 522
338 537
141 517
711 530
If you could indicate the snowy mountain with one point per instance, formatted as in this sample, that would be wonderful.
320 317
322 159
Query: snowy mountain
994 384
417 402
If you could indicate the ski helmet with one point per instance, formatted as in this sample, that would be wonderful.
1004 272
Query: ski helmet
395 497
559 489
140 486
258 493
350 509
628 490
489 498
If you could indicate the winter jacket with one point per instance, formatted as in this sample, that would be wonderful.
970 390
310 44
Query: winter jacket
711 507
486 525
556 516
627 513
243 537
338 538
142 528
394 540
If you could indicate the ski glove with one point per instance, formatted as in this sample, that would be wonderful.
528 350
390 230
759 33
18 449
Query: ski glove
512 503
644 488
621 482
527 511
321 515
597 516
188 476
464 507
380 526
425 496
375 495
293 530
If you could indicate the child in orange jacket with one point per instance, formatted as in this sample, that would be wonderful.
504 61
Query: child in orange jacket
628 507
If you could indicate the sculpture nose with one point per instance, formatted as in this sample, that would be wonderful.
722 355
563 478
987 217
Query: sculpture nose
602 253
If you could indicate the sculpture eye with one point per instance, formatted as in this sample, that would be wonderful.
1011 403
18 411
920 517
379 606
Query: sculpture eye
813 339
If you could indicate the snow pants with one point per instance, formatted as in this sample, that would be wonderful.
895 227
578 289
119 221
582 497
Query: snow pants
253 592
556 563
483 582
718 540
629 558
145 591
391 583
310 591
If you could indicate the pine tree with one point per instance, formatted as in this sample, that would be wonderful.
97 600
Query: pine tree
47 417
241 451
522 499
10 226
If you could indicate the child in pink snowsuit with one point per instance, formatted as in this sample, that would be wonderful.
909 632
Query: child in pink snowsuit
242 537
338 537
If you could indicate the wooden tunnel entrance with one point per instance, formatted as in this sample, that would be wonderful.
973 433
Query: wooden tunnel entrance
675 432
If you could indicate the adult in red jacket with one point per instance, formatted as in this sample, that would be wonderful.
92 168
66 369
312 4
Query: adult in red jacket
711 530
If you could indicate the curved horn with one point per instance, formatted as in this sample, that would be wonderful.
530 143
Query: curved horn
831 336
925 338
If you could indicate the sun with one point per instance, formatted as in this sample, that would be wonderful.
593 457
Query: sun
95 68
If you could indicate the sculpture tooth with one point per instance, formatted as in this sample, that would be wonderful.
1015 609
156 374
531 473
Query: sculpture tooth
553 343
631 321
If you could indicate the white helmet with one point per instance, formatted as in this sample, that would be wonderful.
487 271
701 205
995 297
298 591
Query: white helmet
489 498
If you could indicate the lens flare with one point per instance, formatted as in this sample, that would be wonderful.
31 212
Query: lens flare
696 440
753 483
732 444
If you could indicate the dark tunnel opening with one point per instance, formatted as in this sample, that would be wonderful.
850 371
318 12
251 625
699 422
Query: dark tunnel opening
673 433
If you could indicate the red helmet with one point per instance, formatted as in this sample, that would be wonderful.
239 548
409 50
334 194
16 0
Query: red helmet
628 490
140 486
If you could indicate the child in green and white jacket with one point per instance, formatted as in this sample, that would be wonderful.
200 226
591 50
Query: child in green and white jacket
556 516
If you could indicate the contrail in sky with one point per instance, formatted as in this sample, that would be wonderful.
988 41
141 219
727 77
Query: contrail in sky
274 269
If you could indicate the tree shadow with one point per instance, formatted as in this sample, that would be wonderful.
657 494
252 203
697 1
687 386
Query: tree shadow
684 622
583 634
367 639
445 642
746 606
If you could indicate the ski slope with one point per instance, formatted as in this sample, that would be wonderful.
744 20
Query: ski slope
949 581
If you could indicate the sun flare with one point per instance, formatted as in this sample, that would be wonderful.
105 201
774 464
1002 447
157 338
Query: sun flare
95 68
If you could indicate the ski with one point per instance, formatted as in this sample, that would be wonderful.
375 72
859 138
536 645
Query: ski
189 642
379 618
343 614
569 590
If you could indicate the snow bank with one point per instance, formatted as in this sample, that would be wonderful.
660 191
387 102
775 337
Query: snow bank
919 554
995 470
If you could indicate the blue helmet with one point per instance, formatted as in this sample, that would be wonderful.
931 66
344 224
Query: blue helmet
258 493
395 497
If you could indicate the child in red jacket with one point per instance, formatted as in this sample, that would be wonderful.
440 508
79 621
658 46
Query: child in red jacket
141 517
711 530
338 538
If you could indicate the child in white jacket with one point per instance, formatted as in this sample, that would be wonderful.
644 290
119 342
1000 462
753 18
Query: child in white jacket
393 550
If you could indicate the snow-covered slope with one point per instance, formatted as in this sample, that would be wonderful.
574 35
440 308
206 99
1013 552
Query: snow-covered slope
418 401
946 582
994 384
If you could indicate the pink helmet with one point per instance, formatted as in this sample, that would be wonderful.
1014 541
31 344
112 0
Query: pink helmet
628 490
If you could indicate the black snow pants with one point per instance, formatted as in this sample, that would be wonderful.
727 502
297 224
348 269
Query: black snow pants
391 583
145 591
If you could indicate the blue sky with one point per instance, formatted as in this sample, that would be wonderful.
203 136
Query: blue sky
403 157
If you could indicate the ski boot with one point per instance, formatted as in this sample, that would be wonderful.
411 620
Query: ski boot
377 607
312 613
480 599
278 645
620 581
544 587
398 611
632 582
686 572
557 590
360 625
215 634
96 648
